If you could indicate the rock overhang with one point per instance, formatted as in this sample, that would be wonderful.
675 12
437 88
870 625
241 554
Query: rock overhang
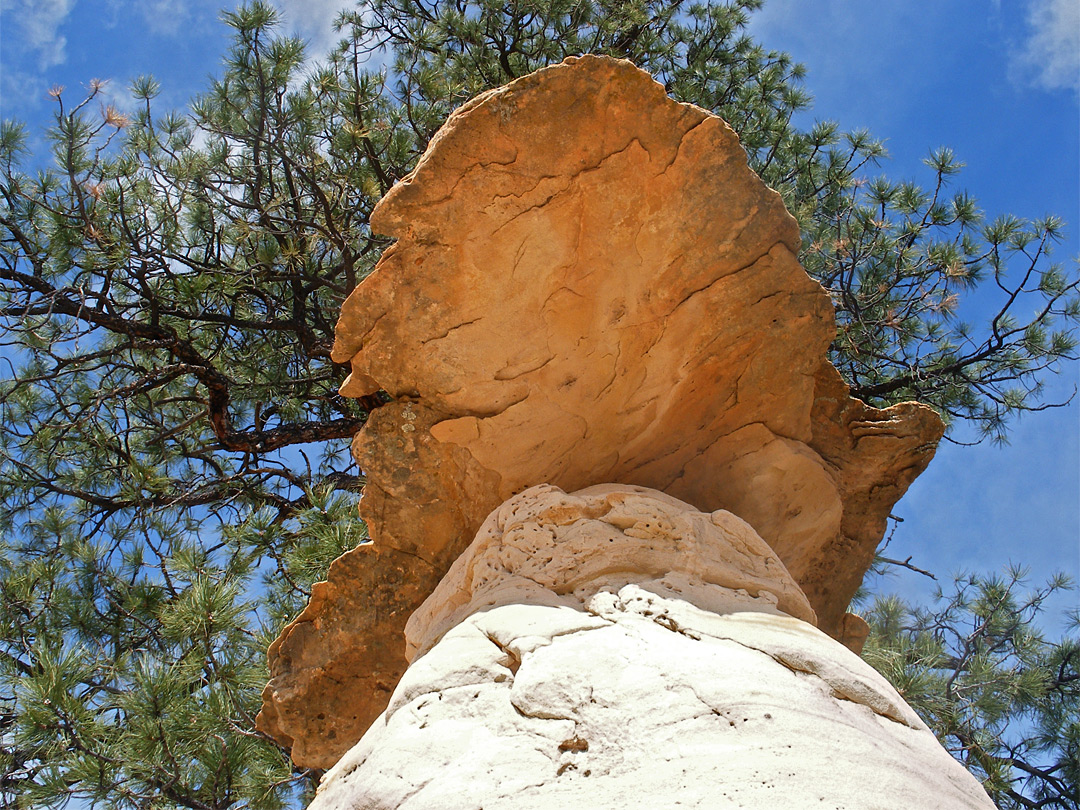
589 286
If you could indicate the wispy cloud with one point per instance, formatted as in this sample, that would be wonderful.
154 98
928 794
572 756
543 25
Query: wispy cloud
164 17
21 90
118 95
314 21
851 54
38 23
1050 56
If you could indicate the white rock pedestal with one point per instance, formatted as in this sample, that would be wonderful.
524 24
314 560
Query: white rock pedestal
616 648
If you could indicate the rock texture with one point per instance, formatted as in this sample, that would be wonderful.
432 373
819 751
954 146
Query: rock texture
544 542
582 684
589 285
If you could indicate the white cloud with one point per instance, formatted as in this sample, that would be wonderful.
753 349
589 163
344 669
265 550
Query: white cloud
1050 57
119 96
313 20
22 90
855 52
39 22
164 17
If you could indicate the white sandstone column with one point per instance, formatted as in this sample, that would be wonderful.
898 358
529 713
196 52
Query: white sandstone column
616 648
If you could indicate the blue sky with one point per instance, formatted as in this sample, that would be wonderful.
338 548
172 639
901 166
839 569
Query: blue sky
998 82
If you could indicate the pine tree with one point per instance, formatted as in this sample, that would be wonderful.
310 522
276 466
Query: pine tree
174 470
1000 696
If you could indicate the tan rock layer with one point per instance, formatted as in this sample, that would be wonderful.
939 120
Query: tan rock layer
589 285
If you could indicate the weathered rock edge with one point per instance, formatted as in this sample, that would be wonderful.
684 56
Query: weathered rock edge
545 545
616 648
589 285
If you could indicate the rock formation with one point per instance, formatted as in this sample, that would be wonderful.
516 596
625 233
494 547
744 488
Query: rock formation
615 648
588 286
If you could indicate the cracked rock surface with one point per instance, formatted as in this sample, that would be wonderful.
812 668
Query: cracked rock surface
617 689
588 285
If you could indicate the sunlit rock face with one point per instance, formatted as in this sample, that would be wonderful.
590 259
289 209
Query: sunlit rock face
615 648
588 286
